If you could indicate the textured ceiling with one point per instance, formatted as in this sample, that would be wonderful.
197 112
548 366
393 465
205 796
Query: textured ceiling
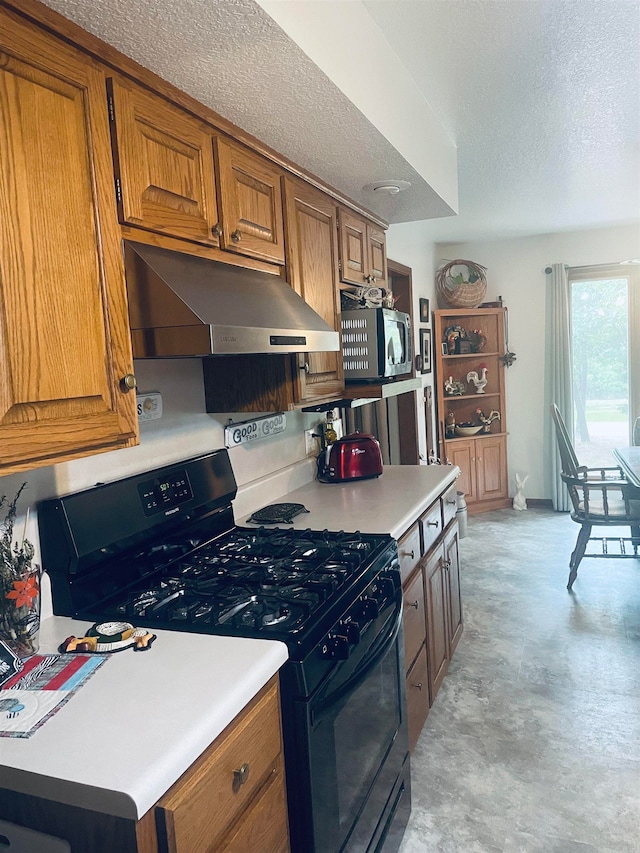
542 98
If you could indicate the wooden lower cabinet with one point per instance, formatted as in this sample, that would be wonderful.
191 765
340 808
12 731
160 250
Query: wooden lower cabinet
436 610
430 570
483 467
417 696
231 800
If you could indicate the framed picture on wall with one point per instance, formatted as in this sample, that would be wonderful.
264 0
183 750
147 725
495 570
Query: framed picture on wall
425 350
424 310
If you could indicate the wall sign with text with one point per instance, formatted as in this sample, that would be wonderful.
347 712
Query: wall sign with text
253 430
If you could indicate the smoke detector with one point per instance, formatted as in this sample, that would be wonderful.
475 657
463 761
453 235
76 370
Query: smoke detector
390 187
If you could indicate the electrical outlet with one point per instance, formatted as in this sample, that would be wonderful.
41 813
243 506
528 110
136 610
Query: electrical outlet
311 444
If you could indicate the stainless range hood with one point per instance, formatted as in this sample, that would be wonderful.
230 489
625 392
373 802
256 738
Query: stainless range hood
181 305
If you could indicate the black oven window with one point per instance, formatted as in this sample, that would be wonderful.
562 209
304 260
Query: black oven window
348 747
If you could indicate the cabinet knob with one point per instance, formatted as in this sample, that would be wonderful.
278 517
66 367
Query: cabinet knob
368 278
216 230
128 382
447 564
411 554
240 776
451 502
236 236
433 524
305 367
418 685
415 604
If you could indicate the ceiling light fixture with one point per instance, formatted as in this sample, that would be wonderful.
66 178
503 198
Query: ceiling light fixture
387 187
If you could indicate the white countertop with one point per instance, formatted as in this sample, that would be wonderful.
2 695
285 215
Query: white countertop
386 504
139 722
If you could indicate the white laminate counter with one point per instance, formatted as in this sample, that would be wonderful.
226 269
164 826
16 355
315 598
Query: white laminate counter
387 504
139 722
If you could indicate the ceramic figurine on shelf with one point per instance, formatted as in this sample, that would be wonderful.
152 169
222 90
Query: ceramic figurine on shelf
453 387
478 381
487 420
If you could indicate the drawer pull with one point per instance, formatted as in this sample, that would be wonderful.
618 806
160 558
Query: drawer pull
415 604
240 776
451 502
418 685
433 524
411 554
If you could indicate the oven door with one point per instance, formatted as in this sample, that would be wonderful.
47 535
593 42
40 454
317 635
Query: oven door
356 737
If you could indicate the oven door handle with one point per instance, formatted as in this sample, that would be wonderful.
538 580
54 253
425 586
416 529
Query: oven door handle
381 647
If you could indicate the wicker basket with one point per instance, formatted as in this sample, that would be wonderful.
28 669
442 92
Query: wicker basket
467 294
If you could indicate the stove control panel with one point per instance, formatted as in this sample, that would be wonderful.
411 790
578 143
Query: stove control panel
165 495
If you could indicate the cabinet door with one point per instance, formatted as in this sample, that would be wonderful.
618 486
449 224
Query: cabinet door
413 618
452 565
377 249
436 584
462 454
417 697
312 264
164 162
353 248
491 467
64 337
251 202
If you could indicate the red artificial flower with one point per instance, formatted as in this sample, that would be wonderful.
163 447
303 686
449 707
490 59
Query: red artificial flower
24 591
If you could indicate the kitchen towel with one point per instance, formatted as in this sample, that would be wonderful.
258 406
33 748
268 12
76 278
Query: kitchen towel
41 688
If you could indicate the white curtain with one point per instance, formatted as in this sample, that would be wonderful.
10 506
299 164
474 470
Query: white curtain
560 378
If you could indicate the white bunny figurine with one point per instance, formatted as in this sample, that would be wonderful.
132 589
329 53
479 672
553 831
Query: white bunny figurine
519 500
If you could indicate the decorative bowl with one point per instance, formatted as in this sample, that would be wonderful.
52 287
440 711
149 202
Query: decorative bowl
468 430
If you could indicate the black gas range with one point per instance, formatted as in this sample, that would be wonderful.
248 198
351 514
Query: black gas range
161 550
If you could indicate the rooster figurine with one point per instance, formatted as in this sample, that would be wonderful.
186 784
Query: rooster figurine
478 381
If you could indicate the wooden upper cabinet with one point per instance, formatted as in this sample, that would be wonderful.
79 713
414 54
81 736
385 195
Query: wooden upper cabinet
353 248
251 202
377 252
64 338
312 266
363 251
164 164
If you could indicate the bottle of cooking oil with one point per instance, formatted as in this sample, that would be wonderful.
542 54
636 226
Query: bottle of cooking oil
330 434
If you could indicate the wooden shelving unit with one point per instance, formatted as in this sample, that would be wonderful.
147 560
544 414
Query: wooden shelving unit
482 458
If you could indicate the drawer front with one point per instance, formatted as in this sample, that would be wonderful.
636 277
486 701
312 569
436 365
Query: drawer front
409 551
415 627
204 802
449 504
417 697
431 523
265 826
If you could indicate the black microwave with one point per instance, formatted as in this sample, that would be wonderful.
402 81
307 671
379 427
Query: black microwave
376 344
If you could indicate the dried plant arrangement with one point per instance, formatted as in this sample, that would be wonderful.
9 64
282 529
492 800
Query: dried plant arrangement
19 584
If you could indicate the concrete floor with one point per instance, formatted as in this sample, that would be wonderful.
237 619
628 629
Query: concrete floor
533 743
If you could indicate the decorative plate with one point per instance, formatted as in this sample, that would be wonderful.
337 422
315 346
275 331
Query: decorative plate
455 332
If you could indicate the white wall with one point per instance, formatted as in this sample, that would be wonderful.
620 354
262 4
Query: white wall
516 272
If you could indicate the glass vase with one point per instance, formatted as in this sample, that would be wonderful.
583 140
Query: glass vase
20 612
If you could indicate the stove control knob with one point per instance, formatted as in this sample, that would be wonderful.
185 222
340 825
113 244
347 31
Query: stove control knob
352 632
369 608
387 587
336 648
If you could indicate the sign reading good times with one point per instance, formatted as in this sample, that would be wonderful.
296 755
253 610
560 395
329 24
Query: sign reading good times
255 429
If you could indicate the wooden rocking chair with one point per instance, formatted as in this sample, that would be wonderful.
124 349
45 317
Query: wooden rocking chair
600 497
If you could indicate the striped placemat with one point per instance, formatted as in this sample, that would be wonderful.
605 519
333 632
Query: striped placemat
41 688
